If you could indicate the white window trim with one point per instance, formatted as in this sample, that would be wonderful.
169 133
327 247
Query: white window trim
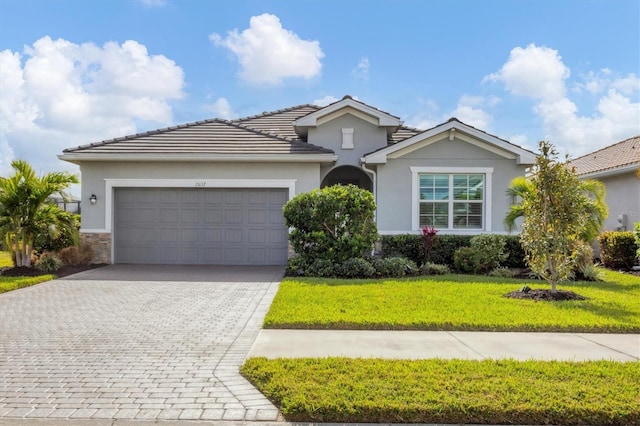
415 192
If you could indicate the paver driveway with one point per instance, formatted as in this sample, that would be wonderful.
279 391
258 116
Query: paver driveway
144 342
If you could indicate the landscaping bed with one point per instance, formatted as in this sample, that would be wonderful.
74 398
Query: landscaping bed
342 390
455 302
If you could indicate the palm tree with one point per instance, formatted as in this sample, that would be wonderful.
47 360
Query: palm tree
596 210
25 206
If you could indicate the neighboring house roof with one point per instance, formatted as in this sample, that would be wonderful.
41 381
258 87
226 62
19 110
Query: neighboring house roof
200 140
461 130
617 158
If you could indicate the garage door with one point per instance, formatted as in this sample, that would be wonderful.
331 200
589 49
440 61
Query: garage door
200 226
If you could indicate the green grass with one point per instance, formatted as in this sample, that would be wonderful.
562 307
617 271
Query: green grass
5 259
454 302
450 391
14 283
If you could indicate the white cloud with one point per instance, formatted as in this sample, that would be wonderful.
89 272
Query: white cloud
268 53
325 100
540 74
222 109
58 94
536 72
362 69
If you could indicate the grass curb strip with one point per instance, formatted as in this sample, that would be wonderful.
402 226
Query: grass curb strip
342 390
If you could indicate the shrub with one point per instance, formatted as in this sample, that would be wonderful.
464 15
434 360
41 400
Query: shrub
333 223
296 266
583 260
434 269
485 254
48 263
516 257
394 267
502 272
591 272
617 249
320 268
76 255
50 237
356 267
636 227
411 247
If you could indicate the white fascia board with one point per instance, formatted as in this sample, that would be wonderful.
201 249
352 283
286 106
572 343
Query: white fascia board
611 172
236 158
522 156
384 120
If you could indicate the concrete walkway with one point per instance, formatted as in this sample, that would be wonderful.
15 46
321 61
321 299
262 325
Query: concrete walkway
446 344
135 342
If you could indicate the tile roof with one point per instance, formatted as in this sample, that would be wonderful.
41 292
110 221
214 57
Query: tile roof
201 137
618 155
278 122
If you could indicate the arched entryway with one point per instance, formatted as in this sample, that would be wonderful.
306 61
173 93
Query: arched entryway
345 175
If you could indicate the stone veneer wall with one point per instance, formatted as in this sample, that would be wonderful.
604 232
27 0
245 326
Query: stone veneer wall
101 243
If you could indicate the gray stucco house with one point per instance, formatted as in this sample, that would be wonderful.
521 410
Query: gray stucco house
616 167
211 192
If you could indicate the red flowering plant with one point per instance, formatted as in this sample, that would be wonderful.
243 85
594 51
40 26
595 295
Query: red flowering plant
428 238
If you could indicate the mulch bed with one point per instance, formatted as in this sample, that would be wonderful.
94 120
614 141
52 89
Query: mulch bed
540 295
33 272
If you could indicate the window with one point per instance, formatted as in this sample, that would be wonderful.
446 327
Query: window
452 198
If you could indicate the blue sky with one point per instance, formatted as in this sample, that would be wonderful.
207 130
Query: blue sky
77 71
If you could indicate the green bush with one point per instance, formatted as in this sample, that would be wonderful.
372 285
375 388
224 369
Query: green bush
296 266
516 257
502 272
485 254
617 249
333 223
434 269
394 267
636 227
320 268
48 263
410 246
55 238
356 267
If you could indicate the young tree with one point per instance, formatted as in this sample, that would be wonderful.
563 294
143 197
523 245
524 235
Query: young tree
558 213
26 207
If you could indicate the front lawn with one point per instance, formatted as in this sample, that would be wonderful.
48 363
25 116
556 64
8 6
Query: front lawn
5 259
14 283
345 390
454 302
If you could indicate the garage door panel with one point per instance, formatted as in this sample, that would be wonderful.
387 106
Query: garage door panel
200 226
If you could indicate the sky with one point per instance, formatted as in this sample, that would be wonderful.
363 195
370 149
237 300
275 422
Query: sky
74 72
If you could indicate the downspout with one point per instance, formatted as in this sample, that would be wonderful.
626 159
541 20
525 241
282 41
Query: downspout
374 179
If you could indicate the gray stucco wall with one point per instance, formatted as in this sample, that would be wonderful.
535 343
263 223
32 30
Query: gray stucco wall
623 196
366 138
394 194
95 173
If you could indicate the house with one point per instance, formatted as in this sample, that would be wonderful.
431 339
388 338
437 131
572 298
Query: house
211 192
616 166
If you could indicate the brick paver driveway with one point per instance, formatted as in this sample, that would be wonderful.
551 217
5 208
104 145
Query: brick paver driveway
145 342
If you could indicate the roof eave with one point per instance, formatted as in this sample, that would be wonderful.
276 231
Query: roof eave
610 172
77 158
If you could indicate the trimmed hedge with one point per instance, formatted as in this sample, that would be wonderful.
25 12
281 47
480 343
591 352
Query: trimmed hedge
444 248
617 249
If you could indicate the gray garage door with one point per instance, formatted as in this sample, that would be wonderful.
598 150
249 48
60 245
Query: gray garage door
200 226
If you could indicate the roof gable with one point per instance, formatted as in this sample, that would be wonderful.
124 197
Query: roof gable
347 105
455 129
617 158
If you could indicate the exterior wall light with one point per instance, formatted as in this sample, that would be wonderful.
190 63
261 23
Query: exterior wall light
93 199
